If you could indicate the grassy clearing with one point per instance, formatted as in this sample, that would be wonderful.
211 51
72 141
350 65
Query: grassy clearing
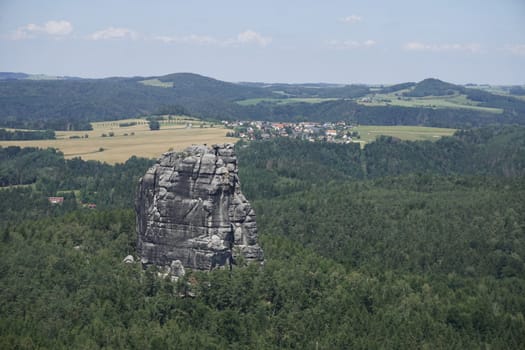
65 192
453 101
16 186
494 89
140 141
369 133
282 101
157 83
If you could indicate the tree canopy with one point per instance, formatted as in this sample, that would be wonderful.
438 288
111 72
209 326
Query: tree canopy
154 124
400 245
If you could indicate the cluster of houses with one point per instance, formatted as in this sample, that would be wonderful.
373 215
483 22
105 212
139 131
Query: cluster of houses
340 132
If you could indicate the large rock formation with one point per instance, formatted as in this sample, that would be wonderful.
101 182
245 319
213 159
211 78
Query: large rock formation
190 208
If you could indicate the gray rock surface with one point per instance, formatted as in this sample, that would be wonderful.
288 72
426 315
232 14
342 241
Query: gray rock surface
190 208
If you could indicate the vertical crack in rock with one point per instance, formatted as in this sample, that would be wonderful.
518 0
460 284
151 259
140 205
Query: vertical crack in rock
190 208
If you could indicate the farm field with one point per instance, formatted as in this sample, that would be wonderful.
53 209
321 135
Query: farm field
282 101
454 101
369 133
457 101
135 140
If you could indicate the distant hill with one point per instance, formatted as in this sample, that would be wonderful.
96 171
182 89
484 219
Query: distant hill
314 90
10 75
434 87
22 76
397 87
65 103
197 86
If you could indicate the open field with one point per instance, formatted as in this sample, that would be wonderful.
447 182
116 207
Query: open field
140 141
453 101
282 101
175 134
157 83
369 133
16 186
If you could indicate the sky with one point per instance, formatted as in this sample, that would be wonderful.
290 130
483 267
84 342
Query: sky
288 41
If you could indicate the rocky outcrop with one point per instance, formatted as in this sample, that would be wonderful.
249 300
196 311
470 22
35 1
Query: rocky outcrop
129 259
190 208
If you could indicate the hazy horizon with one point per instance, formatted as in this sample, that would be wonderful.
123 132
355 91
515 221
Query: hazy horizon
340 42
252 82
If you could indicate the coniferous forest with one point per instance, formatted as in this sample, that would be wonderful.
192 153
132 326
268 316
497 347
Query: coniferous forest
400 245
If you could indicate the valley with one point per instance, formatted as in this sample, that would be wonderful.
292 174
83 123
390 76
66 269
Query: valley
262 175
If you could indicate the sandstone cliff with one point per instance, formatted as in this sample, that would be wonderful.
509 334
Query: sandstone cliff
190 208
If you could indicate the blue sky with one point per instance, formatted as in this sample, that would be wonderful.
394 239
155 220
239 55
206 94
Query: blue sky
377 41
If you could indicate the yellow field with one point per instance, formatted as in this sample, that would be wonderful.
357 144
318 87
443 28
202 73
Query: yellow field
117 149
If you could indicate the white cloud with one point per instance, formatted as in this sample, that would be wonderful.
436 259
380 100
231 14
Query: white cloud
516 49
58 27
418 46
244 38
251 37
351 44
352 19
50 28
113 33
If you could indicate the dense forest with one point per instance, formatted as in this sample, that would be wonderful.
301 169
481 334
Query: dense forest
288 165
71 104
399 245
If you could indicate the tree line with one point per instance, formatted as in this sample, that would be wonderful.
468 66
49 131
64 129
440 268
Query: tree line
8 135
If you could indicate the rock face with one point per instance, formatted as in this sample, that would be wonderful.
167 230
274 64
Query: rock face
190 208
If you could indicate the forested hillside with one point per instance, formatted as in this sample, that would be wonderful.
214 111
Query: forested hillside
28 176
71 104
401 245
352 112
293 165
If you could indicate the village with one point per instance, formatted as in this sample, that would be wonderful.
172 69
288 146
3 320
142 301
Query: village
339 132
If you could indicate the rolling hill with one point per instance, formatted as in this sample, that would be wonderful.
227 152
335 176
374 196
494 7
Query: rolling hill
72 103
